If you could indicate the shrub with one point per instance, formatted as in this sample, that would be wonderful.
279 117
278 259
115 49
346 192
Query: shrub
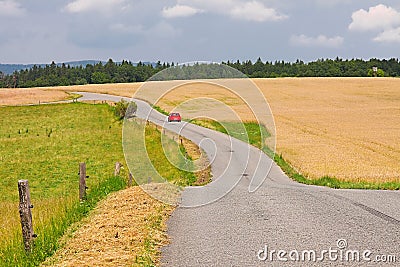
124 109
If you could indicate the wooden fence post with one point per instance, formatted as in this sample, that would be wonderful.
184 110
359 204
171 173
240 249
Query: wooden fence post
117 170
82 181
130 180
25 213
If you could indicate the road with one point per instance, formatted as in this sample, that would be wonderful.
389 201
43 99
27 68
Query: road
283 223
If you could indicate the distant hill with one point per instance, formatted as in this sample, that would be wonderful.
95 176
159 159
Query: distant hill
10 68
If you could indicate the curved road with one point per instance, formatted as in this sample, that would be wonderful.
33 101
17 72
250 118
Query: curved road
283 223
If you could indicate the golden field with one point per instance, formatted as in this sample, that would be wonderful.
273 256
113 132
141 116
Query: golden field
343 128
348 128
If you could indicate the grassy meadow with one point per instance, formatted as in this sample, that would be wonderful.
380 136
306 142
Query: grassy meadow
45 144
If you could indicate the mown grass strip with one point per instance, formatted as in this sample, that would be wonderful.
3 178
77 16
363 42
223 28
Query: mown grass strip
159 109
332 182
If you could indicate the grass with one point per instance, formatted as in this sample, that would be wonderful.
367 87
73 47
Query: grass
332 182
73 96
45 144
160 159
49 233
141 219
162 164
249 132
160 110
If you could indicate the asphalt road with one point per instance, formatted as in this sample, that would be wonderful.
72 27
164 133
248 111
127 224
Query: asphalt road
283 223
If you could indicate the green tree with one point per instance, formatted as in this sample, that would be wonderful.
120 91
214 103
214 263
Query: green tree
100 77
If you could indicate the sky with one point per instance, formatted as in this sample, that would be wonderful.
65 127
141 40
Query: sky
41 31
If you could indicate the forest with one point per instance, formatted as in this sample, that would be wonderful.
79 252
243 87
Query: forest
126 71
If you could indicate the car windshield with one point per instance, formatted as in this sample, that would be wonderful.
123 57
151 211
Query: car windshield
174 114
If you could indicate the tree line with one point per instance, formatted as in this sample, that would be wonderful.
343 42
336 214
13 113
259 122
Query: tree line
319 68
64 75
126 71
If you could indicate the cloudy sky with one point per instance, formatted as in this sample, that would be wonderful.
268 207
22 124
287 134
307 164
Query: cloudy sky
39 31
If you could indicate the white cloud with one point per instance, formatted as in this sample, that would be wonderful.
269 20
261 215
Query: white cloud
255 11
180 11
319 41
379 17
389 36
237 9
11 8
103 6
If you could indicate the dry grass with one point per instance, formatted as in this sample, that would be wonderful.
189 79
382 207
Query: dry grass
24 96
117 233
348 128
343 128
12 97
122 89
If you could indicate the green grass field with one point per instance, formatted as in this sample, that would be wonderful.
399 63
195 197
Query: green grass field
44 144
250 132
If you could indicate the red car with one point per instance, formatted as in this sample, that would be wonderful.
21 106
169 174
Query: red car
174 117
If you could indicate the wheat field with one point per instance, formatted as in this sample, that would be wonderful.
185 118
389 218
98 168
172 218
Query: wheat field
343 128
347 128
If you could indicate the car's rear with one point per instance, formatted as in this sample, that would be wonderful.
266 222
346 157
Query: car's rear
174 117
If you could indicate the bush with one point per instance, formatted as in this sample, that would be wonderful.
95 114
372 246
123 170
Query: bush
124 109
